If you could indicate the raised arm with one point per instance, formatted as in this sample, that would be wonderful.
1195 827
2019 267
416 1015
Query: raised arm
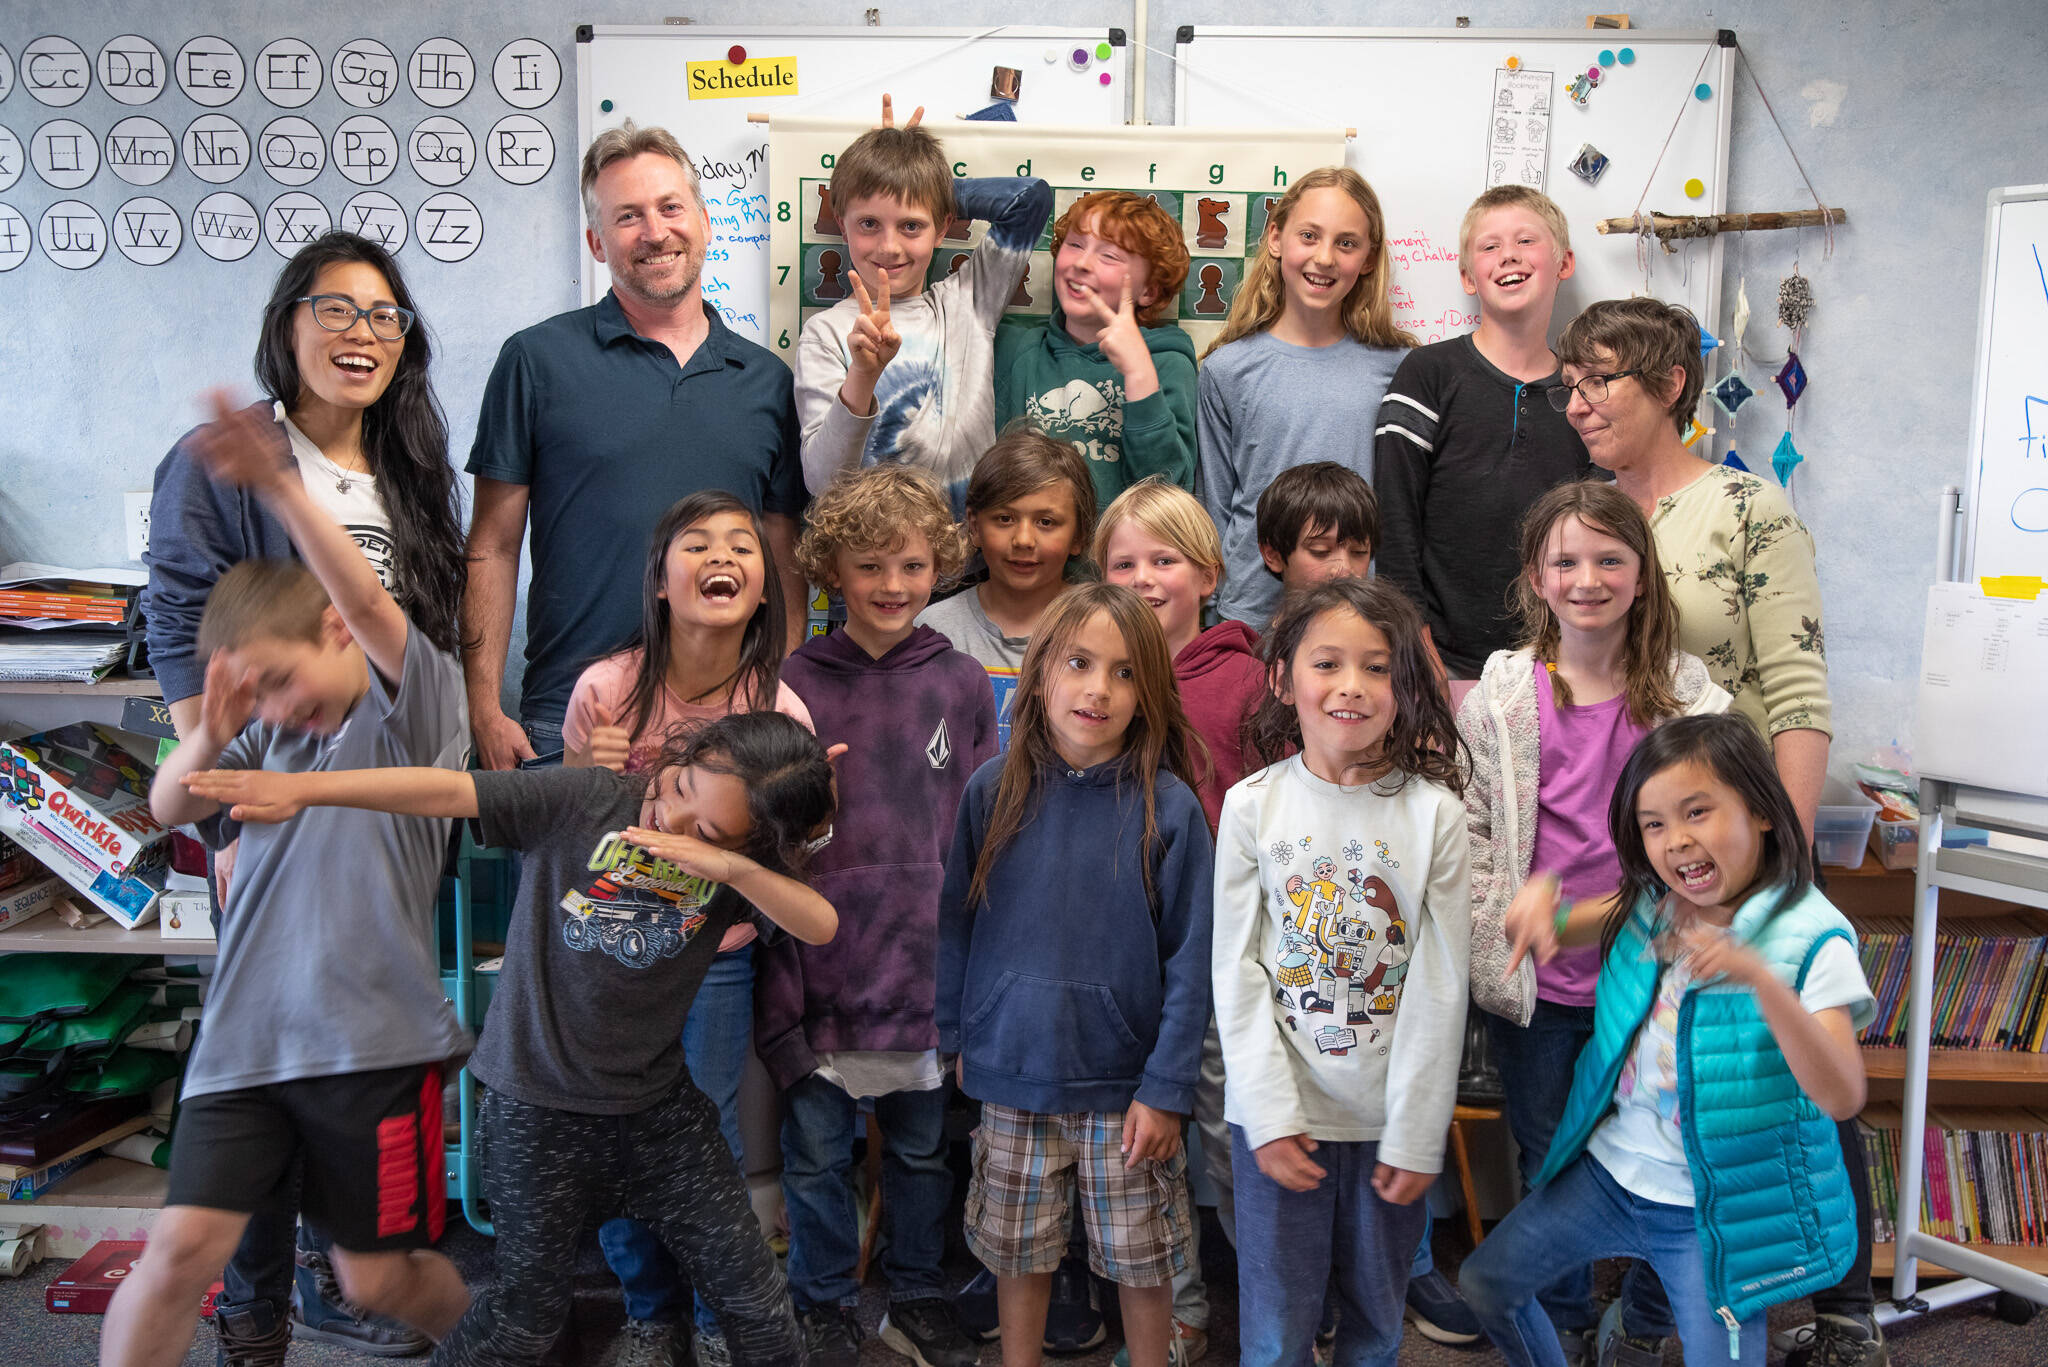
261 795
795 906
205 723
244 448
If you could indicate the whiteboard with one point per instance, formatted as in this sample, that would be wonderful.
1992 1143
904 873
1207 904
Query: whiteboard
641 73
1423 103
2007 527
1979 717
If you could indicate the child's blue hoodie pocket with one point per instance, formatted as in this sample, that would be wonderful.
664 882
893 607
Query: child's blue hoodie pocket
1054 1029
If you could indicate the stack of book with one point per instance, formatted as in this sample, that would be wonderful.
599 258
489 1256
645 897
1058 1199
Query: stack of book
1986 1173
1990 982
60 625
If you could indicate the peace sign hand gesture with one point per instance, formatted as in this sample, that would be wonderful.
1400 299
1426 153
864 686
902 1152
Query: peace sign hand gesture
874 341
1123 342
889 115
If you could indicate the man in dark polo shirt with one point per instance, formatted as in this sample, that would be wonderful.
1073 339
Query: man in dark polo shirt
594 423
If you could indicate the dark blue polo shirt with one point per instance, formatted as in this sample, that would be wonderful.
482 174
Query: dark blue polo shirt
606 432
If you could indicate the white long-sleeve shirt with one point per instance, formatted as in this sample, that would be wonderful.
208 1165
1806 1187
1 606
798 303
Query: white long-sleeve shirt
1342 935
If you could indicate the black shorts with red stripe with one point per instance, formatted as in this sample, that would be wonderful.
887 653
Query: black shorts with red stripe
362 1152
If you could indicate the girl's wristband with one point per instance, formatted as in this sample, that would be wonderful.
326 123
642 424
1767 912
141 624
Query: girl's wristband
1564 915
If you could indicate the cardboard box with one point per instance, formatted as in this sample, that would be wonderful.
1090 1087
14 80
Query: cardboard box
77 786
131 900
27 901
87 1285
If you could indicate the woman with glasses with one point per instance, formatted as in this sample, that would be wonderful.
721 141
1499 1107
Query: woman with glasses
1740 565
343 360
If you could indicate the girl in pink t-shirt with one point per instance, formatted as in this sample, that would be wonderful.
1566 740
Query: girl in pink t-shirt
1550 726
711 642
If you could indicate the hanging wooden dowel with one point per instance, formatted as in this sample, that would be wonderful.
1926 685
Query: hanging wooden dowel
1669 226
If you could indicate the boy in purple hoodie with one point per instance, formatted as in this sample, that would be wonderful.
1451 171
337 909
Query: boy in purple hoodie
841 1023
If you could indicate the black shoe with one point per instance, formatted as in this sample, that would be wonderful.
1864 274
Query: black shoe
1439 1312
643 1343
1619 1349
974 1307
832 1336
1073 1321
923 1331
321 1314
251 1335
1842 1341
1578 1347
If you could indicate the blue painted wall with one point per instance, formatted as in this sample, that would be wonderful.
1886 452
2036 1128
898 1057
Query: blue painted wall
1904 113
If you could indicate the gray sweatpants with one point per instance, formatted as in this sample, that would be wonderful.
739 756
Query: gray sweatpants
549 1175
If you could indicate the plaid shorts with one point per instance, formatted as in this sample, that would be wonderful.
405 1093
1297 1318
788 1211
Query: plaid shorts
1026 1165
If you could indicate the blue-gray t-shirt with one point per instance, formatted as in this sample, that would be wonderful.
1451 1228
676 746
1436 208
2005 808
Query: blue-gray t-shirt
607 432
327 955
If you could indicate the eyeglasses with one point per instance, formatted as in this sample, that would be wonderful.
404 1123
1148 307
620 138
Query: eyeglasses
337 313
1592 388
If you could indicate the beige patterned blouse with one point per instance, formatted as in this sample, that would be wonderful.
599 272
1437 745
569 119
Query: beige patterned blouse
1741 568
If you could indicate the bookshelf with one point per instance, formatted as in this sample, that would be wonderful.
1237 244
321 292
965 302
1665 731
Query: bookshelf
105 688
2016 1080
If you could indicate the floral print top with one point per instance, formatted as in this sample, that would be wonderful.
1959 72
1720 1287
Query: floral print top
1740 564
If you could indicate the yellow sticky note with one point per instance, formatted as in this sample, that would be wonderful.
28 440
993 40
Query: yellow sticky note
757 76
2027 586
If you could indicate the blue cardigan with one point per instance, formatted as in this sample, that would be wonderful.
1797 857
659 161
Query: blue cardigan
1775 1215
1060 990
198 530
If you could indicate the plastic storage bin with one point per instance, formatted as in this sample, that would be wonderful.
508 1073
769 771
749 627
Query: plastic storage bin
1896 843
1841 831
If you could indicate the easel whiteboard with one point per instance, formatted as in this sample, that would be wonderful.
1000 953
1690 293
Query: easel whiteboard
1423 102
642 73
2007 528
1979 718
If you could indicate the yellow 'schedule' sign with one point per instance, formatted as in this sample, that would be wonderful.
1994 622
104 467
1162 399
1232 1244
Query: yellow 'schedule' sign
756 76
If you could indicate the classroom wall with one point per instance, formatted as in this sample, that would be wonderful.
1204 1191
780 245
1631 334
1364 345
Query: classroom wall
1904 114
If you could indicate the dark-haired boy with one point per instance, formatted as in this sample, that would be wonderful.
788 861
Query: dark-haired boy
320 1066
899 371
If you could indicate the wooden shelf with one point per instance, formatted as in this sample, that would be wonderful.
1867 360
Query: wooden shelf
105 688
105 1183
2020 1256
48 935
1961 1065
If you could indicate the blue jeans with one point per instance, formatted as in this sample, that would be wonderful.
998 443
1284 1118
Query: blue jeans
716 1038
1581 1215
1536 1064
817 1166
1292 1245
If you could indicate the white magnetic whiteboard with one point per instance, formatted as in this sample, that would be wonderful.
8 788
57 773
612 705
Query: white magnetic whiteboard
2007 526
1979 718
1424 104
643 73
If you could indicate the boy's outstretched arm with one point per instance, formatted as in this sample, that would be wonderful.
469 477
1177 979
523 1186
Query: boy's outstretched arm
261 795
244 448
795 906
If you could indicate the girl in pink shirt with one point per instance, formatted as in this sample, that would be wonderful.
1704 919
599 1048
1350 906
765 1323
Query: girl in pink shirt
1549 727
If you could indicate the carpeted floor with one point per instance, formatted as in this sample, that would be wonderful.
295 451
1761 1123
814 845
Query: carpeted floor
1968 1336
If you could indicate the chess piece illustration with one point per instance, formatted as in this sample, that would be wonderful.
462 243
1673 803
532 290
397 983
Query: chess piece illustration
827 224
831 282
1211 231
1210 278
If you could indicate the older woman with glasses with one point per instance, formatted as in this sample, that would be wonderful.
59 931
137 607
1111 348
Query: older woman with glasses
342 359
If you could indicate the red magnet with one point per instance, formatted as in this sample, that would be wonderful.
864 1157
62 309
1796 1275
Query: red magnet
736 54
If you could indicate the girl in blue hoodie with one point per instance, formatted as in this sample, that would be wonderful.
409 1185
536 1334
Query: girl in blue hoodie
1073 970
1700 1131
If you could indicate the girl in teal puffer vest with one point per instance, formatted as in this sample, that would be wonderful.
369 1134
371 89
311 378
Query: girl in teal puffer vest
1700 1132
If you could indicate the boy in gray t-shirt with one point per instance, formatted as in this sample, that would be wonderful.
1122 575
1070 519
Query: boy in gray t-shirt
320 1066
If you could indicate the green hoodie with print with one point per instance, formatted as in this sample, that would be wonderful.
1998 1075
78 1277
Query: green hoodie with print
1074 393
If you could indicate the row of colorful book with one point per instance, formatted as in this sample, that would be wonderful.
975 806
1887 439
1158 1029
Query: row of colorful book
1990 981
1986 1173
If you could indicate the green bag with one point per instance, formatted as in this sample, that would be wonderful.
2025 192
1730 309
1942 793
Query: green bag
125 1072
37 987
96 1032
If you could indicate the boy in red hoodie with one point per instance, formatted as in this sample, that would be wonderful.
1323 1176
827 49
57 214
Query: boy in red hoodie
1156 539
852 1020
